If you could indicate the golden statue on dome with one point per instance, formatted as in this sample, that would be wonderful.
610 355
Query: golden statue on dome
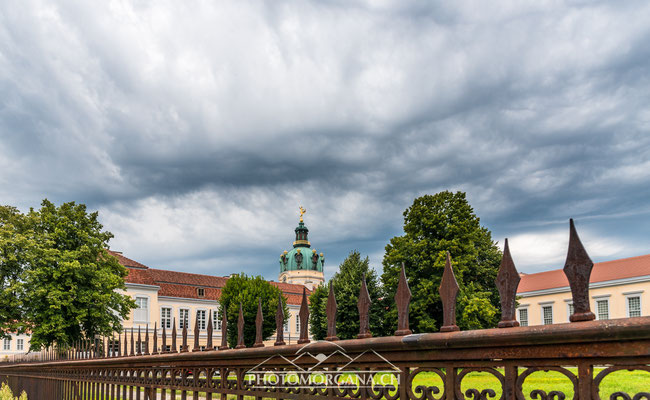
302 212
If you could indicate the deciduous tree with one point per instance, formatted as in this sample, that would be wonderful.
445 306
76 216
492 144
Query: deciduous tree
66 283
433 225
246 290
16 247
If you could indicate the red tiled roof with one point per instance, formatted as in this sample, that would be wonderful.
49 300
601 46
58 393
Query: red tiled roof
294 299
187 292
290 288
139 276
127 262
138 273
602 272
184 284
186 278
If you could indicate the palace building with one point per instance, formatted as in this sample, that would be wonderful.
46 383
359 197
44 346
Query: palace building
166 297
302 265
617 288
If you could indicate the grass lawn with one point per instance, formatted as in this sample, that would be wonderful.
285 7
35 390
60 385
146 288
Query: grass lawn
631 382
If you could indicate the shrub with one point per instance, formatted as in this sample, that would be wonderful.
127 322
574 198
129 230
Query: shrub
7 394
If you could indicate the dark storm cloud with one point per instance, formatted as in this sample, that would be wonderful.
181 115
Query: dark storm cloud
197 129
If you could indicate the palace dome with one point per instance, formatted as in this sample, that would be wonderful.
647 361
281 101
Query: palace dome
302 256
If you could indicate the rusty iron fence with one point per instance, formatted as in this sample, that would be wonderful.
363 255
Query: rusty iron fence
117 368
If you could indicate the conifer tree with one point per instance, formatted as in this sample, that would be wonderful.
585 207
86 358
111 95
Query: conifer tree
347 283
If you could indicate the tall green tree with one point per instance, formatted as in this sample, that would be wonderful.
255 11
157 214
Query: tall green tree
347 284
433 225
317 312
16 247
247 290
67 283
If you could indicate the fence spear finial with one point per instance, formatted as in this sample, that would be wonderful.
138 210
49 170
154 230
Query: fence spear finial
146 341
403 299
331 308
304 318
240 328
154 350
208 343
184 346
163 346
132 343
196 332
139 346
507 282
279 323
363 305
259 321
224 329
577 269
448 295
174 335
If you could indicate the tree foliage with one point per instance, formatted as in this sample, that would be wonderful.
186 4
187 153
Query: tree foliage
64 281
247 290
317 312
17 244
7 394
347 284
433 225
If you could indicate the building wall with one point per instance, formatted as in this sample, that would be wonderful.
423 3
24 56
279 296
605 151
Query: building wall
309 278
176 304
150 293
152 316
616 294
13 346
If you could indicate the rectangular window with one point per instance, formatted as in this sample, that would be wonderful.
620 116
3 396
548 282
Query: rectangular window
603 309
113 347
216 320
547 314
286 324
200 319
634 306
183 318
141 312
7 344
298 324
166 318
140 346
523 317
19 344
570 309
200 292
168 348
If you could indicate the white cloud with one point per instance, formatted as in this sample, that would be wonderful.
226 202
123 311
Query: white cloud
197 127
546 250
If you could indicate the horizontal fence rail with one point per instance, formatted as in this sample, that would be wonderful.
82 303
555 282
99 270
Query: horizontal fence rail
391 368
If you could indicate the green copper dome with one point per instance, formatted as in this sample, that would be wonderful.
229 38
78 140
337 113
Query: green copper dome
301 257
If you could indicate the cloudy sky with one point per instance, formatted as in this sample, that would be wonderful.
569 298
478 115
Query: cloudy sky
197 128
